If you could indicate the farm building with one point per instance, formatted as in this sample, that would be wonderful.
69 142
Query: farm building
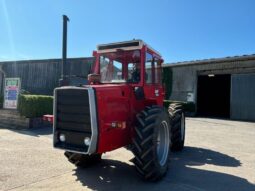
222 87
42 76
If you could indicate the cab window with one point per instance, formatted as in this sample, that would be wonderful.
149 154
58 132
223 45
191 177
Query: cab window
148 68
158 71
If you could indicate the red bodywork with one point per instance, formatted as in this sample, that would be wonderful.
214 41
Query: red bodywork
117 105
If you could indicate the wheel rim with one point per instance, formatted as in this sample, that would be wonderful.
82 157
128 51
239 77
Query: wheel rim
163 143
182 126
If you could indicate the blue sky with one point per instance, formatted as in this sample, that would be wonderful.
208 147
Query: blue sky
179 29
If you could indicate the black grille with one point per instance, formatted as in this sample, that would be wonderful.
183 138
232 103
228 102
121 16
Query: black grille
72 118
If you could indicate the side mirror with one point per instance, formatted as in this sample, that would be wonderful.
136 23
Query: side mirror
94 78
94 53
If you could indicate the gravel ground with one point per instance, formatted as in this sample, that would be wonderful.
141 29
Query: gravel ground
218 155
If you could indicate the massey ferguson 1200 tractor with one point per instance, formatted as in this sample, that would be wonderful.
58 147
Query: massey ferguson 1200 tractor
122 105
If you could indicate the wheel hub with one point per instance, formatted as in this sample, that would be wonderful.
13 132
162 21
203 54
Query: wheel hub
163 141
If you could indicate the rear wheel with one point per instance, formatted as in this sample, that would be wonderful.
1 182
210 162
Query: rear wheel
151 143
82 160
177 122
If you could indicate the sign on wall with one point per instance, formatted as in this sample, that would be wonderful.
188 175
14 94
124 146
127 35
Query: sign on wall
190 97
11 92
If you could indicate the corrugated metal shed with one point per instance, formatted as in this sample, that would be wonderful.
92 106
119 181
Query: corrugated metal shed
42 76
185 74
212 60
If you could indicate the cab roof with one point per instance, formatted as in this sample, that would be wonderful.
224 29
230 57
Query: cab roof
124 45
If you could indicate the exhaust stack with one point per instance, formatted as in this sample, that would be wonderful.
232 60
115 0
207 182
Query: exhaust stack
64 72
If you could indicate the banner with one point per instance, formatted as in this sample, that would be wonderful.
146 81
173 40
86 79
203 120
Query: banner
11 93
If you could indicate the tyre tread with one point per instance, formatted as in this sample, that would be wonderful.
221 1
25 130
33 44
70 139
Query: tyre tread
143 144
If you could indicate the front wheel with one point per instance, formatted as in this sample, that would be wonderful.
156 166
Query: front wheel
151 143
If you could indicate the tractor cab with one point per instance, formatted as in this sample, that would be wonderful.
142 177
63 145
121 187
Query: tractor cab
132 62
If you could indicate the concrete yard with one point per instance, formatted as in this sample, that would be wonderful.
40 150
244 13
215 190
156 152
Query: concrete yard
218 155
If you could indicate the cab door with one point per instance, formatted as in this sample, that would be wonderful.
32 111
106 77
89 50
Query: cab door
152 83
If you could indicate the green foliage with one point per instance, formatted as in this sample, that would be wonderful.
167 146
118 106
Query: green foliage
35 105
1 101
167 81
187 106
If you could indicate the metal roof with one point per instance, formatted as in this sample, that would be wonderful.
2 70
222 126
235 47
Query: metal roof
44 60
212 60
126 44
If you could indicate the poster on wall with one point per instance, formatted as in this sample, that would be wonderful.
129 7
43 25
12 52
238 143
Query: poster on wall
11 92
190 97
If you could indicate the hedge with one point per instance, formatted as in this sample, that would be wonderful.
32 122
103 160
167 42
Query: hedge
32 106
1 101
187 106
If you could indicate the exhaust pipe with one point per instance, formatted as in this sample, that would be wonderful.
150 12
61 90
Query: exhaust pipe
66 78
64 81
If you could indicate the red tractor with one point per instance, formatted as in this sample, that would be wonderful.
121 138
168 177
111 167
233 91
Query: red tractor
122 105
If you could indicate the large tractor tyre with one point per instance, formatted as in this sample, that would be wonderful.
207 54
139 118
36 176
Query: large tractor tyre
177 123
151 143
82 160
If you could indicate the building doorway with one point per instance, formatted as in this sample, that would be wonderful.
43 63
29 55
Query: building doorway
213 96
